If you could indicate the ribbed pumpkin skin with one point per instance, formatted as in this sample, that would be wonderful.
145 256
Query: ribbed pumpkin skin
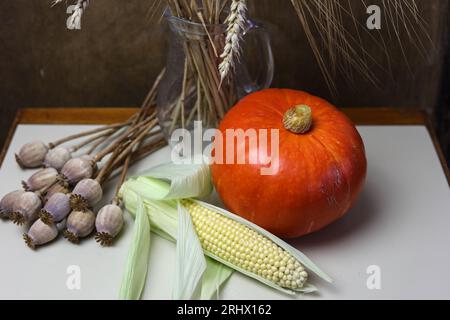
320 172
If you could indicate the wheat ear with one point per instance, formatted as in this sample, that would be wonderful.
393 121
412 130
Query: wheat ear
235 22
74 21
55 2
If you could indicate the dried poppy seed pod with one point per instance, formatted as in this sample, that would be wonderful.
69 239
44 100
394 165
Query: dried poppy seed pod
40 180
8 201
76 170
39 234
56 209
90 158
60 187
86 194
32 154
79 225
26 209
61 225
108 223
57 157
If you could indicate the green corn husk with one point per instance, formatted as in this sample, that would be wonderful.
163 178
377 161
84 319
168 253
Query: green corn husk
136 268
160 189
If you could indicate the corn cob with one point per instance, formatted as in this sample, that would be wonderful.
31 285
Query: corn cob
245 248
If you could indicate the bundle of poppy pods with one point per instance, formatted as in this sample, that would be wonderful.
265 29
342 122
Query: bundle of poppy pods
61 195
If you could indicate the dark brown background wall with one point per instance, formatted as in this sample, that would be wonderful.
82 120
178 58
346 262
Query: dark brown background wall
113 60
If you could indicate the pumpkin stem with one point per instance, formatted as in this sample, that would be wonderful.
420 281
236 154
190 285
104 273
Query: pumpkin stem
298 119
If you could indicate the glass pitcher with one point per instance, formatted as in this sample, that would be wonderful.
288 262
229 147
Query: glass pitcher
191 89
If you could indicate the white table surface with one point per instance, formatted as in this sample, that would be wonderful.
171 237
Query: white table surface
401 223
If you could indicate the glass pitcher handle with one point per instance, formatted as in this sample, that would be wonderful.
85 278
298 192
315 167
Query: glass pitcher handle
264 79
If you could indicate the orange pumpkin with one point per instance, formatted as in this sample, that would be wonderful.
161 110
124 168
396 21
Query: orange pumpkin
321 166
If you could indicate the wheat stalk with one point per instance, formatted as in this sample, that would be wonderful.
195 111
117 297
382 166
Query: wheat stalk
336 44
202 96
235 21
338 47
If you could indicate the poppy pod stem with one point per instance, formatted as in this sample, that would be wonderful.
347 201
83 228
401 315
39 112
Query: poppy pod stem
104 171
125 148
93 139
87 133
123 174
123 137
298 119
144 150
42 192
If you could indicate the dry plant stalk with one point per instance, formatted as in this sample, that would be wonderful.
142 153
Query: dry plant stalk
202 80
335 35
337 44
331 27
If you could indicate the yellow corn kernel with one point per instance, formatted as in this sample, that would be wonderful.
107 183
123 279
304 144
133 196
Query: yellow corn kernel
245 248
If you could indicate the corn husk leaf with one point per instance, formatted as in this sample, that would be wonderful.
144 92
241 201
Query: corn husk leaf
163 215
215 275
190 263
186 180
148 188
164 222
135 274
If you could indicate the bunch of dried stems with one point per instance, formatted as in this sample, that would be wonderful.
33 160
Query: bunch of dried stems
333 32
